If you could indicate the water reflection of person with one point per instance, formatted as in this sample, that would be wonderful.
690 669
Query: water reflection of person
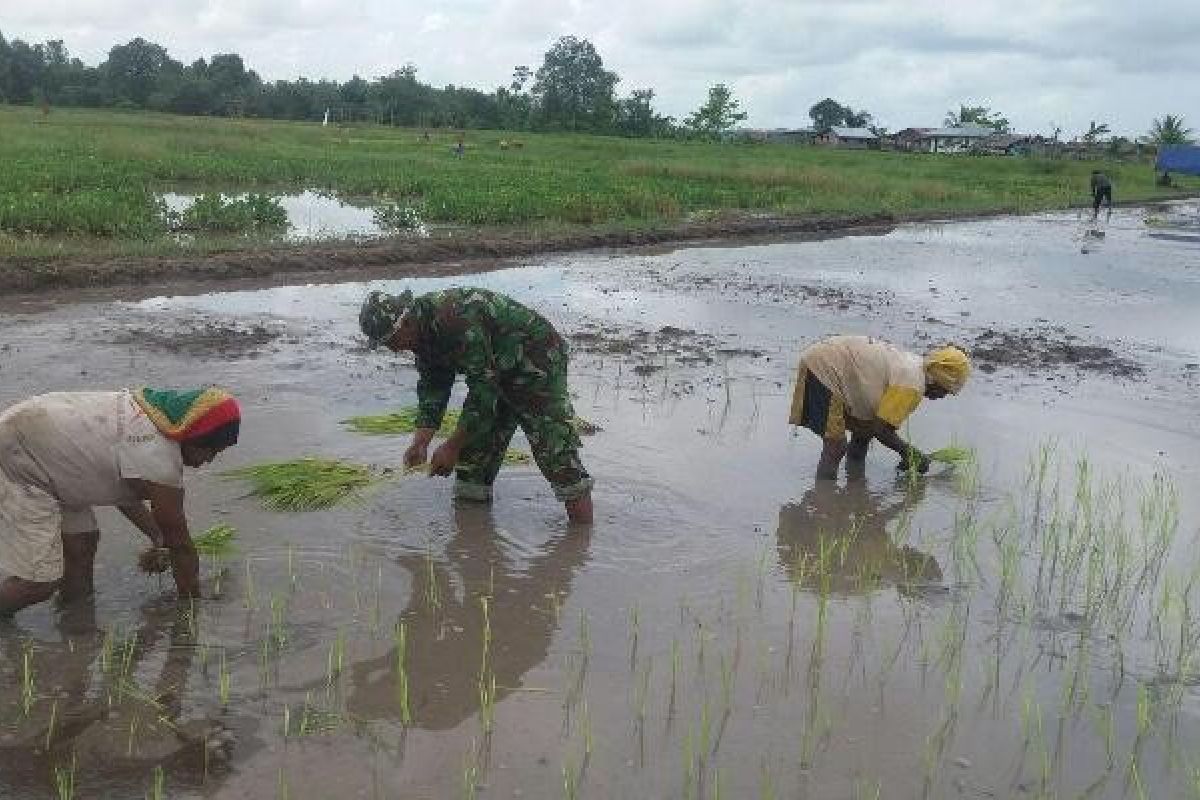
74 709
850 526
445 645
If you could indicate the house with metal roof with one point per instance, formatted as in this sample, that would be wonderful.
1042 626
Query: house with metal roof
851 138
960 139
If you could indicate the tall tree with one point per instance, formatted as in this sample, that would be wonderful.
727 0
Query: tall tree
134 69
1170 129
1094 132
720 112
573 90
980 116
829 113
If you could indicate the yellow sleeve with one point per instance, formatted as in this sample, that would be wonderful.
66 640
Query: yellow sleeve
897 403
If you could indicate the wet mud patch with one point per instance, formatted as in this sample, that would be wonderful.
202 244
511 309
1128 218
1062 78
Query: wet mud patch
1048 347
653 350
201 337
837 298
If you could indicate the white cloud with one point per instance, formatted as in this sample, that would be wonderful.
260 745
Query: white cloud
1068 61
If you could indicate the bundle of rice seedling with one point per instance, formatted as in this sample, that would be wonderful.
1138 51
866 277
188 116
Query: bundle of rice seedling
402 421
951 455
306 484
405 421
216 541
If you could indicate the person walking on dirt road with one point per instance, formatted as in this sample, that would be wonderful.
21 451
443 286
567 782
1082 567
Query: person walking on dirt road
515 365
868 387
1101 192
62 454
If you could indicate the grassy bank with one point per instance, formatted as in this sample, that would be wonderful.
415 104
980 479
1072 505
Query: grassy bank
78 182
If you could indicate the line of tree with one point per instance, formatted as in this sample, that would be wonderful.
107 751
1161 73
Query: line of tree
570 91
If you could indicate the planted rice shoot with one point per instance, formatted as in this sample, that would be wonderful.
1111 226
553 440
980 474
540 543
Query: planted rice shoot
216 541
306 484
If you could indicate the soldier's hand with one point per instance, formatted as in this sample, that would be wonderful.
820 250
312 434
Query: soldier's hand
444 459
416 454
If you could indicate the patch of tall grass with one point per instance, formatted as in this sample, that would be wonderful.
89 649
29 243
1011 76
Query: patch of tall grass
100 173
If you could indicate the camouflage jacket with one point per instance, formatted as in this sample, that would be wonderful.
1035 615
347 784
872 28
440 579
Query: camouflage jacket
499 346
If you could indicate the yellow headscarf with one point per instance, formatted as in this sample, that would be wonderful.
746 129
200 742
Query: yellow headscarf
948 367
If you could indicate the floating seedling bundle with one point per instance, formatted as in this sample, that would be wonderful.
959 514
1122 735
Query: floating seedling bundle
951 455
405 421
306 484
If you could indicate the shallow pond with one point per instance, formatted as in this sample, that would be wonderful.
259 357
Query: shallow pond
1023 625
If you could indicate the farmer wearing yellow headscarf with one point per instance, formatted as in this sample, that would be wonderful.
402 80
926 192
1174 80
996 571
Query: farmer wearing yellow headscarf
64 453
868 388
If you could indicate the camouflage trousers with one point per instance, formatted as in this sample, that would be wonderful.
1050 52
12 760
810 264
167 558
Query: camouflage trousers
538 402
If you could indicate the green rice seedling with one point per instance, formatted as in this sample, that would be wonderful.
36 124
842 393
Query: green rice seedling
432 598
570 779
217 541
28 684
306 484
487 702
336 662
223 682
158 789
642 690
316 721
50 727
634 625
689 765
470 775
278 635
401 640
64 780
281 786
251 598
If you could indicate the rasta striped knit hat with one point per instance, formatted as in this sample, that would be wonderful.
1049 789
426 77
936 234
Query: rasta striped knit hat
206 417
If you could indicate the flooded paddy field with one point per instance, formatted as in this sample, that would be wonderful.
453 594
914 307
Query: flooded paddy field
1022 625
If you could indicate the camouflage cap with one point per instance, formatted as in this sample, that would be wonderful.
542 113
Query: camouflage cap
382 313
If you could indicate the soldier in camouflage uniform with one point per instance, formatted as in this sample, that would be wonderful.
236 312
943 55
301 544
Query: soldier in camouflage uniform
515 365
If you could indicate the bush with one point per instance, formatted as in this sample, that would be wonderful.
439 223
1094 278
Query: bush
214 212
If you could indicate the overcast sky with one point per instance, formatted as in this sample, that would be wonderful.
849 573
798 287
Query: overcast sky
1039 62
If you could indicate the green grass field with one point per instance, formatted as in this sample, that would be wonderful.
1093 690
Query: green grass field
81 181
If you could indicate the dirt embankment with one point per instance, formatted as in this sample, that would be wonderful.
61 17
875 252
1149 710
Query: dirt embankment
23 275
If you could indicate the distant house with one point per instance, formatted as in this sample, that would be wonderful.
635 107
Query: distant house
1007 144
960 139
851 138
910 138
774 135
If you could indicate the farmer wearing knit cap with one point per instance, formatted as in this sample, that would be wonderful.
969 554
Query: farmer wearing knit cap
64 453
868 388
515 365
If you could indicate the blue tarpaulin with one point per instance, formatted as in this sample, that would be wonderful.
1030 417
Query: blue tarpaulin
1183 158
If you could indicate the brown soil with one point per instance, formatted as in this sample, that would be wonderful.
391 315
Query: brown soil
204 337
1047 348
22 275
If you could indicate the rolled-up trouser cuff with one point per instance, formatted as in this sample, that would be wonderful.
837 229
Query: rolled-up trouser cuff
574 491
475 492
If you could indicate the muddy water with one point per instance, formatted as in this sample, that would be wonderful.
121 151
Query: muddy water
311 215
729 627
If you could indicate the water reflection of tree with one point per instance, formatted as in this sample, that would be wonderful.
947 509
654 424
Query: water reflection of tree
445 641
90 708
846 530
